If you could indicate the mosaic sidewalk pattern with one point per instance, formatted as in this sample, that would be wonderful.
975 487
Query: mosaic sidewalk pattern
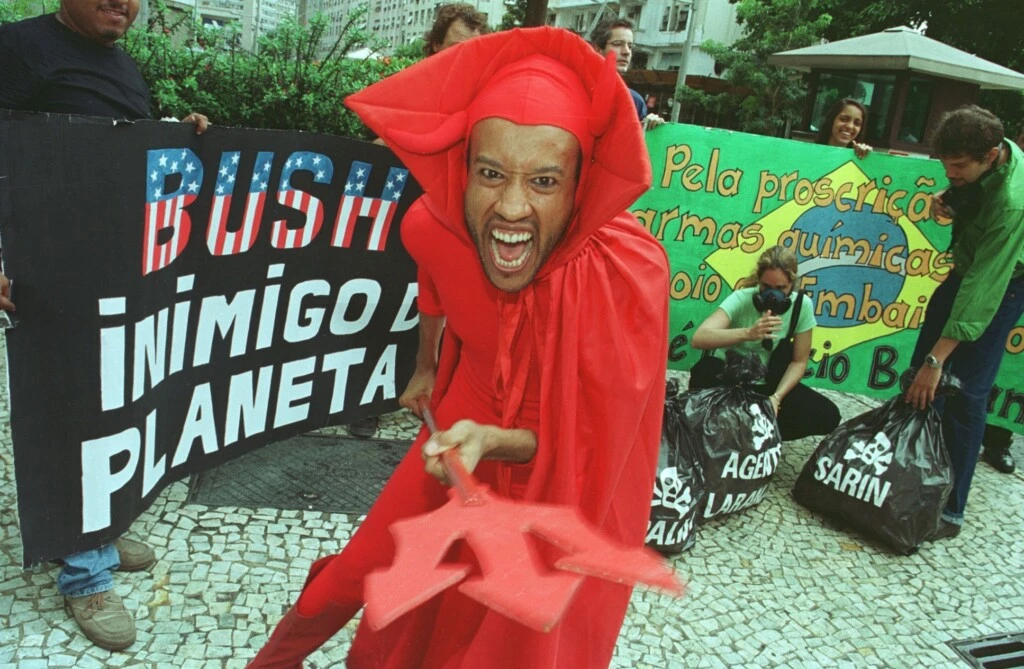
774 586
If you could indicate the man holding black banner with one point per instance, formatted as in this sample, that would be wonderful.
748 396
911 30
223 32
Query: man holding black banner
972 312
551 376
69 63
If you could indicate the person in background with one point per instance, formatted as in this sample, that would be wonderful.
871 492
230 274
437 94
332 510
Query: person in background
844 126
616 36
973 310
453 25
70 63
740 325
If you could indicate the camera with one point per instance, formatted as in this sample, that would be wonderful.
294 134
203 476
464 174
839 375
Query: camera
773 300
962 200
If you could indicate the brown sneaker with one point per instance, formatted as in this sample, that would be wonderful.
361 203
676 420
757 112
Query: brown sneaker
103 619
135 555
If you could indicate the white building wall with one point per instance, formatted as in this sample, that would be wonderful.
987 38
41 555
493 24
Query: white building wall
255 17
337 13
662 27
222 11
395 22
183 6
719 25
269 14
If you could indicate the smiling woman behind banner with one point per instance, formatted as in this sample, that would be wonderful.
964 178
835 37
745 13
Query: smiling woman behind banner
760 317
845 125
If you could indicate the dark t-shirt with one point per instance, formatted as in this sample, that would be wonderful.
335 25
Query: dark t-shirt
638 102
45 66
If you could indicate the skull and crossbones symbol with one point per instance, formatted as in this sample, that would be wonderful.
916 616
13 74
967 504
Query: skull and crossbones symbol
670 493
877 453
763 428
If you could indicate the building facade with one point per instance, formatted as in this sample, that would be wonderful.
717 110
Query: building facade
394 22
403 21
337 13
253 17
668 33
256 17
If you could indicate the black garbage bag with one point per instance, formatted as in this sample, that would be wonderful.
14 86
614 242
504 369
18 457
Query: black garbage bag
678 487
885 473
733 430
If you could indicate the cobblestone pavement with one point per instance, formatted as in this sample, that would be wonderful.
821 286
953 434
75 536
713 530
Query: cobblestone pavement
772 587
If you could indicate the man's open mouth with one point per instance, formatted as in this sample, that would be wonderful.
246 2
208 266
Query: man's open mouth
510 250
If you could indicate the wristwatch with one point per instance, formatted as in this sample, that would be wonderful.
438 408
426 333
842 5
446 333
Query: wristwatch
932 361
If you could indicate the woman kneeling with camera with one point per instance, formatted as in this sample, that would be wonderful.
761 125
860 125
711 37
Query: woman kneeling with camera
762 316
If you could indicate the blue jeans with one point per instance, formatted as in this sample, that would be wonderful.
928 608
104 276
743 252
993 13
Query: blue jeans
975 363
89 572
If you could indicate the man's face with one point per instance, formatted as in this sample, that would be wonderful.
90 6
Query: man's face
519 197
102 21
458 32
621 44
963 170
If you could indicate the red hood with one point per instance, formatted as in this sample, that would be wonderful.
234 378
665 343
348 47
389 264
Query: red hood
421 113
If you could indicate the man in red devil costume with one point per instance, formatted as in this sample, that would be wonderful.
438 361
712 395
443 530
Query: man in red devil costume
551 377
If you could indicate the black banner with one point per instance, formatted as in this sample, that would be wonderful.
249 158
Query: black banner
183 300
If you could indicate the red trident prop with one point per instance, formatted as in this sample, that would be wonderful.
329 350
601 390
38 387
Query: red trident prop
514 581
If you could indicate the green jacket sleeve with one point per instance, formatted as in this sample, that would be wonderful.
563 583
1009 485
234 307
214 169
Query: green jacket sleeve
985 282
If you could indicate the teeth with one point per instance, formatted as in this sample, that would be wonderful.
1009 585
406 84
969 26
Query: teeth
511 237
508 264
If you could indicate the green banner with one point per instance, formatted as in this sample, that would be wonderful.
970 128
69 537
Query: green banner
869 248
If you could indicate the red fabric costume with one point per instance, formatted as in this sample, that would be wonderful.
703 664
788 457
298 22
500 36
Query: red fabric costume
578 356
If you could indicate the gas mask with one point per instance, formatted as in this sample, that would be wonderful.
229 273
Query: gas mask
772 299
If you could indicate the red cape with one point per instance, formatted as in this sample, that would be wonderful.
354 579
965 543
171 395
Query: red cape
579 356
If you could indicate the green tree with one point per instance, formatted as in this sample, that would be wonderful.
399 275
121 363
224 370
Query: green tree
15 10
990 29
412 50
284 85
515 16
775 95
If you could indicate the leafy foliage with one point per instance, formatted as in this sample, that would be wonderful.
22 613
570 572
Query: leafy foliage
775 95
990 29
283 85
515 16
987 28
698 107
15 10
411 50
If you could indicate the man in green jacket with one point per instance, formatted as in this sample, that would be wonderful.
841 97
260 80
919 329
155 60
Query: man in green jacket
972 312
